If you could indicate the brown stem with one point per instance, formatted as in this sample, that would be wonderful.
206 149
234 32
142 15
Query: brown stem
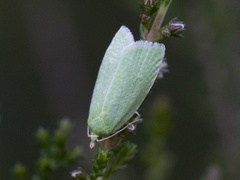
154 31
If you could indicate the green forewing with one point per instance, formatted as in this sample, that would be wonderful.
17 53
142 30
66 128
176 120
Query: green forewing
126 75
106 74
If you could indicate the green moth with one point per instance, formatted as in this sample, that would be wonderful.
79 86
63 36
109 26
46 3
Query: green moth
127 73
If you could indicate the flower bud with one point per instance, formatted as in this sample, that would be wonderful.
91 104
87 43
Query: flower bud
176 27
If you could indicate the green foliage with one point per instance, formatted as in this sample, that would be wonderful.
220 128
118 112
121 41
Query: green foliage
53 156
149 10
19 171
153 13
158 129
118 157
107 162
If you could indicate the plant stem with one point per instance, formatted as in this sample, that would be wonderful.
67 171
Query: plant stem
153 33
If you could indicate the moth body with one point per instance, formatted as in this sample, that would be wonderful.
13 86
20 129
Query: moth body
126 75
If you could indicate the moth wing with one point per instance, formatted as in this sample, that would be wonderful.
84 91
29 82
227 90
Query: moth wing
106 74
136 74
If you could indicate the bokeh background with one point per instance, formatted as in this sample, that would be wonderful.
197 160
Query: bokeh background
50 52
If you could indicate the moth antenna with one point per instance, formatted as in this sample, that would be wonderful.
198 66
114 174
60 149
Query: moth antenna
136 120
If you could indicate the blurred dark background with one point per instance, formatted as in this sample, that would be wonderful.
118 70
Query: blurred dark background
50 52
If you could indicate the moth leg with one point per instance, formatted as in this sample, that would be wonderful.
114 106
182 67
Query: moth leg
137 119
93 138
114 134
130 126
